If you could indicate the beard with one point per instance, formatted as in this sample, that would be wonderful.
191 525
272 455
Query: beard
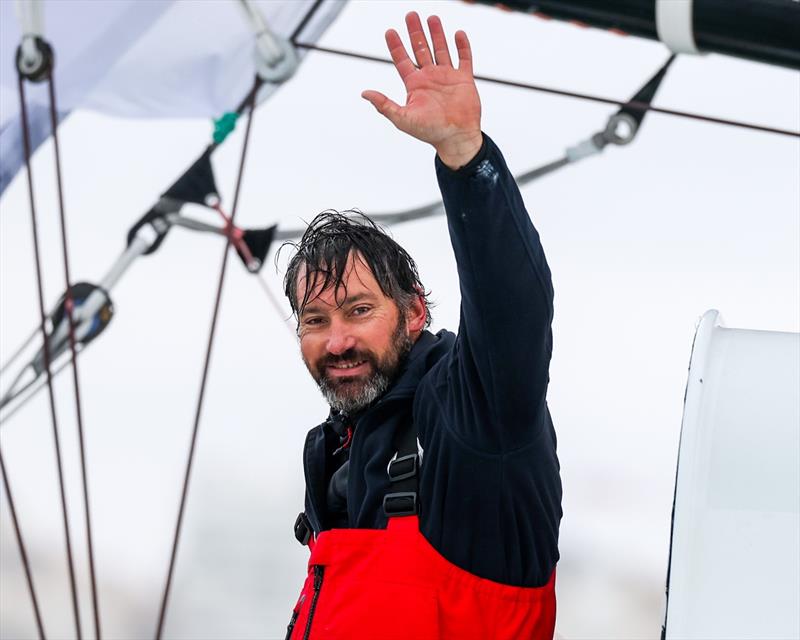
352 393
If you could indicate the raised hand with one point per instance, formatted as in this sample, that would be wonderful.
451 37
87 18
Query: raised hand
442 104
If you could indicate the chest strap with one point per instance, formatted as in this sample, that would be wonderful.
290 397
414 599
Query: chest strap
403 470
302 529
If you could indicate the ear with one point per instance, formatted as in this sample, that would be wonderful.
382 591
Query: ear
416 315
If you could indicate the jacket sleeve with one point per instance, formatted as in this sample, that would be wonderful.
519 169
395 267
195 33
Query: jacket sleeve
497 375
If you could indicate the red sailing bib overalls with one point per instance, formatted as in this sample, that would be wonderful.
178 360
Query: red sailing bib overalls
391 584
376 584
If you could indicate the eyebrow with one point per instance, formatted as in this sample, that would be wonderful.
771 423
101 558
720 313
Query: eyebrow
359 297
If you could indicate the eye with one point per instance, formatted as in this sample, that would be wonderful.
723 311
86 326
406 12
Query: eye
312 321
360 310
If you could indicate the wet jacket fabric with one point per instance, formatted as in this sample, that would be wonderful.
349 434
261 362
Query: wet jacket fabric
489 486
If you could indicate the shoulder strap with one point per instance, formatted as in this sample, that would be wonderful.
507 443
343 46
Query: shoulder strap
403 470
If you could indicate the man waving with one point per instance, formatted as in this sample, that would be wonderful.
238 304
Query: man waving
433 496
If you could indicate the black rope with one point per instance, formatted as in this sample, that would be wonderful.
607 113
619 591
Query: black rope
21 545
46 348
248 100
637 106
68 308
212 331
306 19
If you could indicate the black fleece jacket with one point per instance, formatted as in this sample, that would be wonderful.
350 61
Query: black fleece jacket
489 485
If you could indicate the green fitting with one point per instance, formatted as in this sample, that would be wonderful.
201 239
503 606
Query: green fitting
224 125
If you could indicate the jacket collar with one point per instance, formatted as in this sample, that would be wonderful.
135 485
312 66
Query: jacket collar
427 350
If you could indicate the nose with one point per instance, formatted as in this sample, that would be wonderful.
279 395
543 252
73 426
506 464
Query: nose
340 338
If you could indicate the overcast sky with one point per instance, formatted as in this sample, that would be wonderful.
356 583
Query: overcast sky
641 241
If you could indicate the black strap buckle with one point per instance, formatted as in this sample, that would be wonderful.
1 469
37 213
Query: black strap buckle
403 503
302 529
403 467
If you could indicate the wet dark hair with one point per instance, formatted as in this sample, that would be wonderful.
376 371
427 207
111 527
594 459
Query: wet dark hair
325 248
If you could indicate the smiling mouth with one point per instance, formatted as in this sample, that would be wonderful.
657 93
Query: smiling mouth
347 368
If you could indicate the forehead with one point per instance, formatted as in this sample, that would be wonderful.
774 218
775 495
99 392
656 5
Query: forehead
357 279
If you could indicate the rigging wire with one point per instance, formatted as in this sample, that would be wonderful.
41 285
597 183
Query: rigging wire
26 393
275 304
212 331
35 387
306 19
20 350
635 105
235 235
21 545
246 103
434 208
68 309
13 391
43 327
239 240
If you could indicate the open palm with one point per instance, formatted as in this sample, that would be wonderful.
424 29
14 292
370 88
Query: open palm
442 104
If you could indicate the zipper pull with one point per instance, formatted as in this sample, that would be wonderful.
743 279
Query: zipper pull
345 440
318 572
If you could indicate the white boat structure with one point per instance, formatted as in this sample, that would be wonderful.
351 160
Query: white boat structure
734 567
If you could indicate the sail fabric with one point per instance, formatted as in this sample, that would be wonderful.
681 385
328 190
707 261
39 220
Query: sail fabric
88 39
150 59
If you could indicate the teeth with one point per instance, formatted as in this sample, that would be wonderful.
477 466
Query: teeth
347 366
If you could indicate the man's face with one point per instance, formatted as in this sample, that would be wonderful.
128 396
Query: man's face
353 340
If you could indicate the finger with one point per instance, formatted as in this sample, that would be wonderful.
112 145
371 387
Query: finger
400 58
440 50
383 105
419 43
464 52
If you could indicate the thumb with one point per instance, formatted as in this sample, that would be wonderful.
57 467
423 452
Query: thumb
383 105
